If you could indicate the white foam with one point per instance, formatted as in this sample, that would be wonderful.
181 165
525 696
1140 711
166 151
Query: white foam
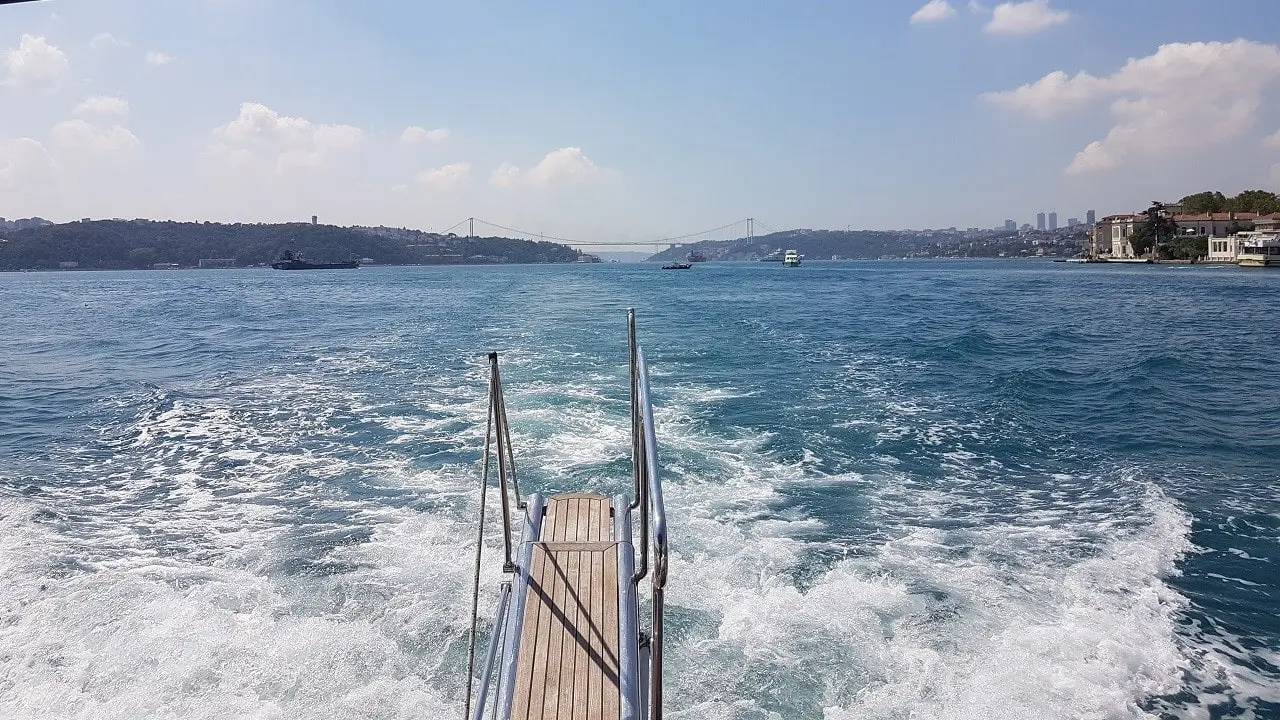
974 598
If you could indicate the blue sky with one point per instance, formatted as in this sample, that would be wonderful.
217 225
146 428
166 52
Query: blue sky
628 122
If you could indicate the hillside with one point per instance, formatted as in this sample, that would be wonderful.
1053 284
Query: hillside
871 244
124 244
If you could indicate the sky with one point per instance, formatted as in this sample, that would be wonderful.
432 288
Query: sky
632 122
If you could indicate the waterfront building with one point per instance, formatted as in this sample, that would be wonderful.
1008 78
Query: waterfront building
1227 249
1111 235
1215 224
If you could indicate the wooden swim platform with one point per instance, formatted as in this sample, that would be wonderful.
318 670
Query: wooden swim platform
567 642
567 663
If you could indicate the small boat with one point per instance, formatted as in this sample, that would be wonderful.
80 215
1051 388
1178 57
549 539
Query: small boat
677 266
1259 250
290 260
572 628
791 259
1130 260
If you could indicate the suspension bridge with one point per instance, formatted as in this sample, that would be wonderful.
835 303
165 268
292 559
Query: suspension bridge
736 230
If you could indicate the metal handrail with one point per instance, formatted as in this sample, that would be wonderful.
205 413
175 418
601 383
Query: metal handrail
506 460
491 656
654 504
648 498
497 438
636 432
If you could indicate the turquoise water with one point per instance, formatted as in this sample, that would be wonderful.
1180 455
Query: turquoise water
897 490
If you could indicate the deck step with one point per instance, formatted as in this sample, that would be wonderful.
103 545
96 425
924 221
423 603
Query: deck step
567 663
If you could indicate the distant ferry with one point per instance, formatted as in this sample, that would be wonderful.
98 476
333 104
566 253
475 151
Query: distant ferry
696 256
775 256
791 259
291 260
1259 251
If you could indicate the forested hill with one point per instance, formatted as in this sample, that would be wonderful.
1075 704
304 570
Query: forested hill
870 244
123 244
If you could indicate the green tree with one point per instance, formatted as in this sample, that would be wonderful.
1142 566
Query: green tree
1257 201
1204 202
1152 235
142 257
1189 247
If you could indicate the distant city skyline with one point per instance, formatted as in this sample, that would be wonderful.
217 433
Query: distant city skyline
628 123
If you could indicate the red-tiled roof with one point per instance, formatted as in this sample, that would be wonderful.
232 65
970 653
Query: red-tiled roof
1210 217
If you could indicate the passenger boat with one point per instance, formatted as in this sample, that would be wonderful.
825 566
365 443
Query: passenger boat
567 640
791 259
290 260
696 256
677 266
1259 250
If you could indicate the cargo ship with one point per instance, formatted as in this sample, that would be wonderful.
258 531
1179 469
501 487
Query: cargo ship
290 260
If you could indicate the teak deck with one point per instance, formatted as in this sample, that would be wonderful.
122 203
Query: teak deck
567 664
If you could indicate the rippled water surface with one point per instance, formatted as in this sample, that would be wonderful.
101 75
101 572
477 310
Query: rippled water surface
897 490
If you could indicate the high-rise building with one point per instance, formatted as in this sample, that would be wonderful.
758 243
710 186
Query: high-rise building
1053 221
1072 222
1089 217
1039 221
314 219
1010 225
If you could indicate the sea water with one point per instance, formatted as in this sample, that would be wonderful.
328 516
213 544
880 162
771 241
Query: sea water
1008 489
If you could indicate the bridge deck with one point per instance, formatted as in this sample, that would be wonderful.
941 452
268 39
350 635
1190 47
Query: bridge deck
567 664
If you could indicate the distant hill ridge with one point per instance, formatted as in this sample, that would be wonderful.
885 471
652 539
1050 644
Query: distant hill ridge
873 244
125 244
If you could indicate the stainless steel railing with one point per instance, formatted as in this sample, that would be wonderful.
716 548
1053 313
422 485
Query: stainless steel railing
646 498
653 514
497 437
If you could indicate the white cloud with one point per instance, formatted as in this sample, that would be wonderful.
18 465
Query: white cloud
563 166
933 11
566 166
102 105
23 162
261 138
107 40
81 136
1024 18
506 175
35 62
157 58
1272 141
977 7
1052 94
414 135
445 177
1184 96
337 137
